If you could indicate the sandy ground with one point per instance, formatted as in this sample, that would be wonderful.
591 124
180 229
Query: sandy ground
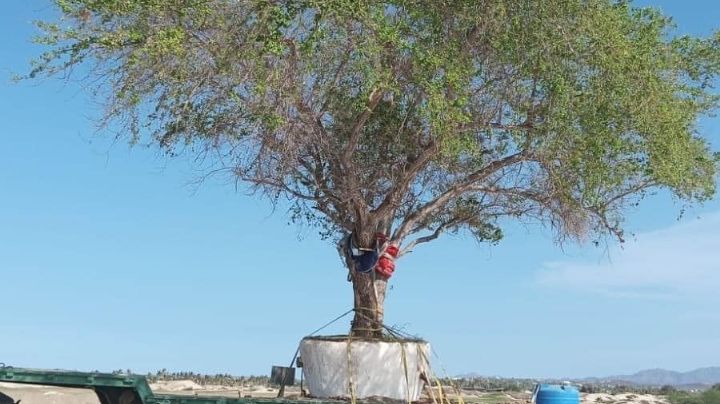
45 395
30 394
523 398
623 398
54 395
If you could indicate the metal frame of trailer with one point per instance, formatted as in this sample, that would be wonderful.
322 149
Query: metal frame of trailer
124 388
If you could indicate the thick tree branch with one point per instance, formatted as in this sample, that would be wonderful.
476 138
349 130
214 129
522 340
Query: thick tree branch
453 192
435 234
347 170
375 97
394 197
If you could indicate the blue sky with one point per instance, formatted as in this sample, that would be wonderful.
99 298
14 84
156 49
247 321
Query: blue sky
111 258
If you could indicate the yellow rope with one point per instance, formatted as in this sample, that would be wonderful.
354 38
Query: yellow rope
458 392
432 378
407 378
351 385
431 393
375 295
403 354
422 356
442 395
359 310
441 392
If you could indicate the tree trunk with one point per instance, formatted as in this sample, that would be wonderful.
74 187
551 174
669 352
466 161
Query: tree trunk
369 290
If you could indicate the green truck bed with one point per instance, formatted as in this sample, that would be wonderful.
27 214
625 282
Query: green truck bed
122 388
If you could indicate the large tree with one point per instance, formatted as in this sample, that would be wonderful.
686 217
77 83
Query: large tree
387 123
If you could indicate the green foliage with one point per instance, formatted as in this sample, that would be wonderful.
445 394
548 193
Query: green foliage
710 396
404 114
204 379
491 384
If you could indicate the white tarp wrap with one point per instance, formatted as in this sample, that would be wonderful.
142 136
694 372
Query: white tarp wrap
370 368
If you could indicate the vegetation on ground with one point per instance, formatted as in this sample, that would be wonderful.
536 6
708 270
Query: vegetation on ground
203 379
710 396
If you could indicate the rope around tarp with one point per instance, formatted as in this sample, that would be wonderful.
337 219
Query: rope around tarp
281 392
448 378
394 335
401 336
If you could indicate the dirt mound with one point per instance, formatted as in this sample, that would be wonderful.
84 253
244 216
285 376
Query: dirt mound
626 398
176 385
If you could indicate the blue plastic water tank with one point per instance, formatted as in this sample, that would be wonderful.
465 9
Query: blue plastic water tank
556 394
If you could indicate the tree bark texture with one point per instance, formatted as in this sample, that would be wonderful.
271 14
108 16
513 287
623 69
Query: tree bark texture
369 289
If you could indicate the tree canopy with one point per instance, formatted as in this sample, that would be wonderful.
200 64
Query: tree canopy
409 117
427 115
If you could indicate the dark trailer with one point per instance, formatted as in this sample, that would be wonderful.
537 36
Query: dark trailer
123 388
